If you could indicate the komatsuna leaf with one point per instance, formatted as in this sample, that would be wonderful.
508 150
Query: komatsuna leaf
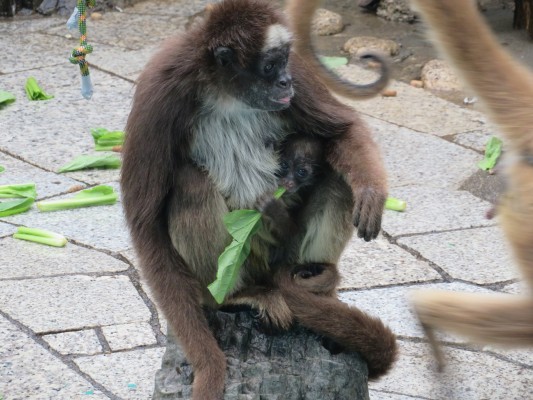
333 62
34 91
242 225
105 140
2 169
41 236
89 161
17 206
6 98
493 150
97 196
18 190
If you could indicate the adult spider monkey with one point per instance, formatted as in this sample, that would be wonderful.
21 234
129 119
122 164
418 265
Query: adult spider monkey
207 112
505 88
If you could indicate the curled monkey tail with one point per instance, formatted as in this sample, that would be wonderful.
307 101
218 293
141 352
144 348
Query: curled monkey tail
300 14
350 327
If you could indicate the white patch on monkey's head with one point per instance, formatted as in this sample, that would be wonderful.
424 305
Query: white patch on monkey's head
277 36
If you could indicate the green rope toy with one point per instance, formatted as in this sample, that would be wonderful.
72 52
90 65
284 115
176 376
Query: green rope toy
78 19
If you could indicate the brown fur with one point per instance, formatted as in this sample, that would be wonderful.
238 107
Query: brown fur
506 90
174 208
301 14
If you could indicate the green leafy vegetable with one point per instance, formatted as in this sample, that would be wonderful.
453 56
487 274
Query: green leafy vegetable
18 190
105 140
333 62
88 161
395 204
15 206
34 92
2 169
40 236
493 150
97 196
241 225
6 98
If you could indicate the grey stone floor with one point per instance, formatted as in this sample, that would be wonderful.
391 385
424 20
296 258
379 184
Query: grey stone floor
77 322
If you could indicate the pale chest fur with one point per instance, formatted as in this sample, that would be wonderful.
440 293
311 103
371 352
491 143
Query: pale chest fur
235 147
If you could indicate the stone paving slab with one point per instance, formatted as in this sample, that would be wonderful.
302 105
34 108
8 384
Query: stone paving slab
22 259
468 376
412 106
377 263
475 140
379 395
78 342
475 255
29 371
392 305
413 158
168 7
432 210
6 229
72 302
101 227
23 25
129 374
128 336
34 131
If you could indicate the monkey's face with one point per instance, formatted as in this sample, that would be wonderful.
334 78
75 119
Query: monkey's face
265 84
295 174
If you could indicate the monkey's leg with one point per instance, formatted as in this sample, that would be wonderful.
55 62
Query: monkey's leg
195 238
504 320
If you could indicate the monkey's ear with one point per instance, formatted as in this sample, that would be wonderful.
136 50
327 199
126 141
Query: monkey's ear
224 56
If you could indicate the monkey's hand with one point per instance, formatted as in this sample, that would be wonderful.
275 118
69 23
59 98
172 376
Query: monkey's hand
368 210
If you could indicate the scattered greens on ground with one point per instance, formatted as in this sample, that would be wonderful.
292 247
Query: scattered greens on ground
333 62
34 92
24 195
40 236
2 169
88 161
97 196
395 204
6 98
17 206
105 140
493 150
241 225
18 190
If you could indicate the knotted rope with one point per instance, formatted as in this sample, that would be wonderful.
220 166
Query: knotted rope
78 18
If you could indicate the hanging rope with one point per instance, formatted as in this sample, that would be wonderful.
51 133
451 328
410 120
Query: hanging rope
78 18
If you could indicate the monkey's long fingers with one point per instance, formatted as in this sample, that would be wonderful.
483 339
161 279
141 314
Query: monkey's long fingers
368 212
499 319
435 346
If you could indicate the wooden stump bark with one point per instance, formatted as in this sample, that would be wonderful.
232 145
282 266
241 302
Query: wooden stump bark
290 366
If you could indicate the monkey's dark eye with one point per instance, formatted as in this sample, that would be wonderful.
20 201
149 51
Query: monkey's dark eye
269 67
302 173
284 165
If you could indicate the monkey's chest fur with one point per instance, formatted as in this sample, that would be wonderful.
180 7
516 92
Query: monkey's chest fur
236 148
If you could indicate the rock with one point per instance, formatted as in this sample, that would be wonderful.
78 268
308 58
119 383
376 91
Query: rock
416 83
438 75
326 23
357 45
289 366
396 10
96 16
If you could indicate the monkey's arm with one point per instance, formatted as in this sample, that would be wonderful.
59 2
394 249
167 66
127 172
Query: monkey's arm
276 217
349 147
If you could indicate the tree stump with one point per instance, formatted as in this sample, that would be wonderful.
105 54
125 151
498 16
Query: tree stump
523 16
293 365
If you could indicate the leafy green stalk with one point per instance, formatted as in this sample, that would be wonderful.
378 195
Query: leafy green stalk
333 62
18 190
493 150
96 196
41 236
15 206
6 98
2 169
88 161
34 92
395 204
105 140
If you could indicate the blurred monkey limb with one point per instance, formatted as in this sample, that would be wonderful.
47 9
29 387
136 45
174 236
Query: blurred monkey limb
505 89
